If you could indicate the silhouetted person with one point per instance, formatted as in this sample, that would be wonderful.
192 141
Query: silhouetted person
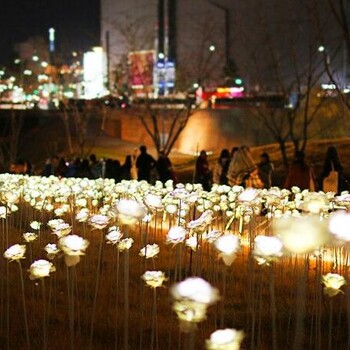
203 173
221 168
50 166
164 168
95 166
265 169
144 163
61 168
125 169
332 163
300 174
84 170
113 169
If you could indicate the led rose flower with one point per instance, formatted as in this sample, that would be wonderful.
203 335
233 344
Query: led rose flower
191 300
114 235
153 201
51 250
225 339
339 225
314 203
62 229
3 212
35 225
73 247
30 236
15 252
150 251
267 249
154 279
175 235
40 268
130 211
82 215
333 282
301 234
212 235
99 221
204 220
248 195
55 222
192 243
227 246
125 244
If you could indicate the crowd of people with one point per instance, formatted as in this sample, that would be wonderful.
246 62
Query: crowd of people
235 167
139 165
239 168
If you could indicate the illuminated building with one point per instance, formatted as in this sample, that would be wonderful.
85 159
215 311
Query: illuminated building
186 37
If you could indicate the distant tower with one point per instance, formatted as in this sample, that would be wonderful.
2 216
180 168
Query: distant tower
51 44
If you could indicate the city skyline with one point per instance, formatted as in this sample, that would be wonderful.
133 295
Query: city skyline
76 24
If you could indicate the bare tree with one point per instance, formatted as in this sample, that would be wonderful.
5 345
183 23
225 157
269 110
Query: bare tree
164 119
289 121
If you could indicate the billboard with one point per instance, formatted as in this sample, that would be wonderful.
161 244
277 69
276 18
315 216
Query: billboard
141 65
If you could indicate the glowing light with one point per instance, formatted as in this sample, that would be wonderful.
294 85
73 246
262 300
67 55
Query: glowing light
35 58
212 48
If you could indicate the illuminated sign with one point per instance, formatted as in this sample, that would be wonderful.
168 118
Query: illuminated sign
95 73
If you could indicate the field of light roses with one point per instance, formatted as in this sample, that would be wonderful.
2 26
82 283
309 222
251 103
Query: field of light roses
93 264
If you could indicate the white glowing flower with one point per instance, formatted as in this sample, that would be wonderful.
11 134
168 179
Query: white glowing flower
171 208
195 289
130 211
54 223
114 235
153 201
99 221
30 236
333 282
62 229
3 212
314 202
205 219
225 339
212 235
192 243
301 234
125 244
40 268
154 279
82 215
227 246
35 225
73 245
191 299
51 250
267 249
248 195
175 235
339 225
150 251
15 252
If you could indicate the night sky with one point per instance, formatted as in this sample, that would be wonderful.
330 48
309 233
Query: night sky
76 23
